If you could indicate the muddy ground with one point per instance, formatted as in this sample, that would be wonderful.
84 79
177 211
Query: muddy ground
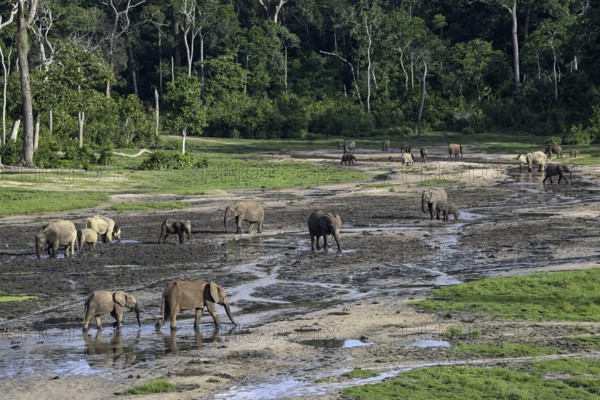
304 317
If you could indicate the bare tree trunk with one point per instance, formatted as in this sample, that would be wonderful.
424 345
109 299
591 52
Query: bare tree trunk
202 60
172 70
423 92
183 142
354 78
515 39
369 65
403 69
80 122
15 130
554 74
285 73
157 111
51 121
6 70
36 131
133 68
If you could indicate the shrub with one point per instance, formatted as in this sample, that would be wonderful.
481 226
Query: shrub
553 140
11 152
577 135
160 161
78 157
106 157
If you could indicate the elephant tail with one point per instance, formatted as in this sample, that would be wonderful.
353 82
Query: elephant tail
161 319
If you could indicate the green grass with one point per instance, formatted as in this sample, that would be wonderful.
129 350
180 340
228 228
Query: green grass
158 386
590 343
558 296
379 185
504 349
16 201
361 373
4 299
466 383
154 205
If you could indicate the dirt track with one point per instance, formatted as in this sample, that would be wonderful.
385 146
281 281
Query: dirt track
284 295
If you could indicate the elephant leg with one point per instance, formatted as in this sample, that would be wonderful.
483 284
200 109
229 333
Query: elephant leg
260 224
325 242
181 238
198 317
318 247
210 306
250 226
98 322
173 320
312 242
430 206
238 223
54 249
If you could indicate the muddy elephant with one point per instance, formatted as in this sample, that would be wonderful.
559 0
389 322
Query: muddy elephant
87 236
557 169
432 197
249 211
423 151
407 158
554 149
535 158
323 224
455 150
103 302
55 235
105 227
385 145
405 147
348 159
448 208
347 145
184 295
574 153
171 226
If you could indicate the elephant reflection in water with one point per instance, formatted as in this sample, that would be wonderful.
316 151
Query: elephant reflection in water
171 345
115 354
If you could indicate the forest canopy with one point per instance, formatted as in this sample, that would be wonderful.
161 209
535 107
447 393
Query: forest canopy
82 75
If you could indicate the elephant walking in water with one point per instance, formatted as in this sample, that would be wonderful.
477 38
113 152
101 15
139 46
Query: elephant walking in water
55 235
432 197
249 211
179 226
102 302
324 224
557 169
535 158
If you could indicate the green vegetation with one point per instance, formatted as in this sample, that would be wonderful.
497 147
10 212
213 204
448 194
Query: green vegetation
590 343
504 349
565 295
16 201
4 299
158 386
361 373
153 205
466 383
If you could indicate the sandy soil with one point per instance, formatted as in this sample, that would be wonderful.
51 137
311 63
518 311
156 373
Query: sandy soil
305 317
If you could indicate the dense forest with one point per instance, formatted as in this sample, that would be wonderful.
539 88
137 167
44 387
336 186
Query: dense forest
82 76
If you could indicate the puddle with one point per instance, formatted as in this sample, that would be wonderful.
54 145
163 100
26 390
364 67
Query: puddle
427 343
128 241
334 343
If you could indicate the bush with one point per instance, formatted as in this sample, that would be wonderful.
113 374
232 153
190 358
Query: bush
106 157
79 157
577 135
11 152
160 161
553 140
46 155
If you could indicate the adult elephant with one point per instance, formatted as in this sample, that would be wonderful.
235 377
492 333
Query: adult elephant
249 211
432 197
347 145
455 150
554 149
171 226
186 295
385 145
324 224
423 151
535 158
103 302
557 169
55 235
407 158
405 148
105 227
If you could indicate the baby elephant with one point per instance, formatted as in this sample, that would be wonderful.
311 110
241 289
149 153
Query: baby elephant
407 158
557 169
574 153
88 236
102 302
178 226
324 224
348 159
447 209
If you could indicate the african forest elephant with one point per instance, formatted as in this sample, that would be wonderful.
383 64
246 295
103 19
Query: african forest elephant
323 224
447 208
423 152
348 159
557 169
105 227
347 145
249 211
454 150
179 226
574 153
103 302
88 236
431 197
385 145
405 147
555 149
407 158
55 235
537 157
185 295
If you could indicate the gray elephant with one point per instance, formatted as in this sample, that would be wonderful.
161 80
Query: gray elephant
554 149
171 226
535 158
455 150
185 295
574 153
447 208
385 145
407 158
88 236
249 211
103 302
557 169
105 227
55 235
348 159
432 197
424 153
347 145
323 224
405 148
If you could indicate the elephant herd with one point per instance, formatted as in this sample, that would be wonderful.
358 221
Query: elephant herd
406 158
539 158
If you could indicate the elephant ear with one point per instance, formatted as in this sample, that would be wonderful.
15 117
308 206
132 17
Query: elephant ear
120 298
214 292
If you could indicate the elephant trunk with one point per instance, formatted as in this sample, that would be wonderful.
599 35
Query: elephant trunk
228 311
225 219
423 203
136 308
39 249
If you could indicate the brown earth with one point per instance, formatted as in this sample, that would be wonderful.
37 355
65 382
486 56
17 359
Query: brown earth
295 307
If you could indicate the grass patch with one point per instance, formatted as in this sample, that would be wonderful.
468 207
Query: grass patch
379 185
437 181
155 205
586 342
4 299
16 201
361 373
465 383
552 296
504 349
158 386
